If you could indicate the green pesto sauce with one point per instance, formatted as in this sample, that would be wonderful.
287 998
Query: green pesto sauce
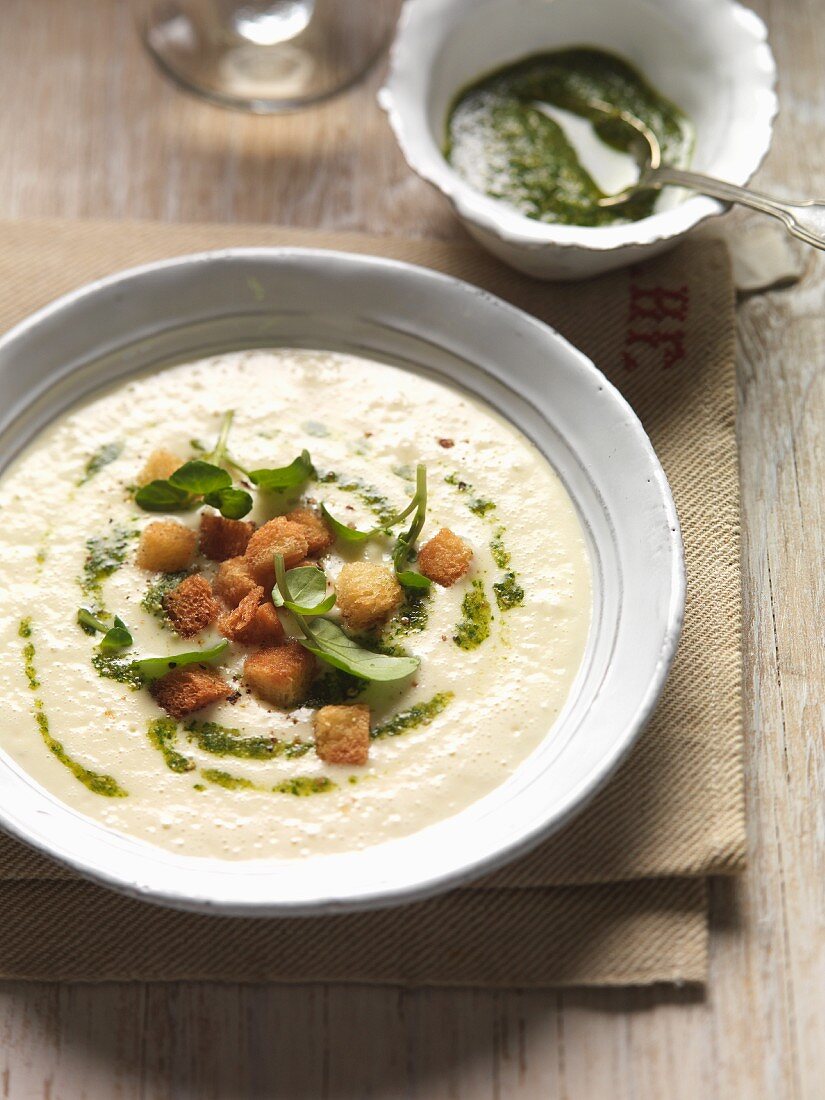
509 592
509 150
372 498
300 785
104 556
474 627
304 785
227 781
501 555
97 782
478 505
419 714
107 453
163 733
158 590
223 741
112 666
412 616
333 688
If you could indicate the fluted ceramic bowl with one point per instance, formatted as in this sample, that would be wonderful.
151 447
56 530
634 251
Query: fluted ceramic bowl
710 57
199 305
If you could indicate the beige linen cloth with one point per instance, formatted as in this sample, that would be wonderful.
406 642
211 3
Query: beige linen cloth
617 897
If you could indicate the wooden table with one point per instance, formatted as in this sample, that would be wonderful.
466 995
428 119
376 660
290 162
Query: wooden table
89 129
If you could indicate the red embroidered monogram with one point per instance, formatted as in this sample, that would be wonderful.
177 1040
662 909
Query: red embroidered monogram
649 324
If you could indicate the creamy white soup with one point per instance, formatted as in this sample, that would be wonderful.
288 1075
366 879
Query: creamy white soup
476 660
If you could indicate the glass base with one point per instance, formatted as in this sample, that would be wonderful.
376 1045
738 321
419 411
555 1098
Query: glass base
266 58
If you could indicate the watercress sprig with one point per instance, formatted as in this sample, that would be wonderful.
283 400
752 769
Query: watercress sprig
199 481
405 543
114 637
308 588
152 668
279 478
327 641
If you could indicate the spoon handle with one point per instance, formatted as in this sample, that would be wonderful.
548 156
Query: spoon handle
805 220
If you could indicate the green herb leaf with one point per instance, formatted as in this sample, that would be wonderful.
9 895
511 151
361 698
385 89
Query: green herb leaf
163 496
307 586
89 622
284 477
408 578
345 533
231 503
330 644
199 477
152 668
117 637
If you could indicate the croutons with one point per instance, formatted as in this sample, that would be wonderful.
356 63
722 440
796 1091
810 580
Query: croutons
185 690
279 536
253 622
444 558
342 734
280 674
318 535
166 547
159 465
222 538
191 606
367 594
233 581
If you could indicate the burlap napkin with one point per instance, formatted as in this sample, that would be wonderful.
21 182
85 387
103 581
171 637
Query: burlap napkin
618 897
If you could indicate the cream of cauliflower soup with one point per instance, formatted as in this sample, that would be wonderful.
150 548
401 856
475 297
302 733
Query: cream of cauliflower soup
279 603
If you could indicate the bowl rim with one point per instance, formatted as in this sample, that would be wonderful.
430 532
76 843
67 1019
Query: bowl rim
458 295
421 29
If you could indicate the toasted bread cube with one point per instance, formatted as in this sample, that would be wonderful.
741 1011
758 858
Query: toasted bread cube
222 538
280 674
166 547
279 536
342 734
233 581
253 622
318 535
185 690
367 594
444 558
160 465
190 605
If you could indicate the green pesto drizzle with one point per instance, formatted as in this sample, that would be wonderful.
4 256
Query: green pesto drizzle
157 592
333 688
300 785
371 497
162 734
478 505
474 627
412 616
223 741
501 555
107 453
509 593
104 556
224 779
419 714
112 666
303 785
97 782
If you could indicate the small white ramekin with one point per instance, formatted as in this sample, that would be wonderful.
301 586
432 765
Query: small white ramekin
711 57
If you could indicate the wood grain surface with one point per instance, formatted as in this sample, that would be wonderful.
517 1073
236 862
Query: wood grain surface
89 129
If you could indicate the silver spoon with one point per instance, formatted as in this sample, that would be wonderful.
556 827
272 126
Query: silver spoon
805 220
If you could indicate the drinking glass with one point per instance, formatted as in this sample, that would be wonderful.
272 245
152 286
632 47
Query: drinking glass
267 56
